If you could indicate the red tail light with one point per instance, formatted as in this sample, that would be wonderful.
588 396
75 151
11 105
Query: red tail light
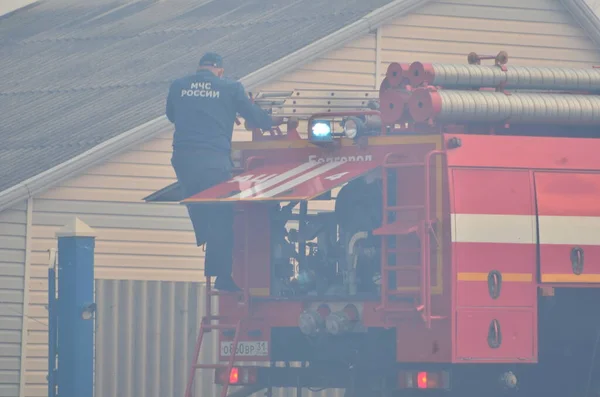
424 380
234 376
237 376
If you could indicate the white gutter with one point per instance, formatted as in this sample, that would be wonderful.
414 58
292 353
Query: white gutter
586 17
125 141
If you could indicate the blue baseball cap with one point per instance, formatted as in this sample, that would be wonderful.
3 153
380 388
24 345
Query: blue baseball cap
211 59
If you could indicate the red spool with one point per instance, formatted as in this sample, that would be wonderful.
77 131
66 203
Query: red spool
424 104
396 73
420 73
392 104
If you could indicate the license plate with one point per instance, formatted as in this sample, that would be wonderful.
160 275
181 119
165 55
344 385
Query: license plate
246 349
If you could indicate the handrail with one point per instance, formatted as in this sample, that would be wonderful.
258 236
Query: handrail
428 182
245 282
384 258
426 239
385 187
426 274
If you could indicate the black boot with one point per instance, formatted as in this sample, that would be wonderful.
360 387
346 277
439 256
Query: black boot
226 283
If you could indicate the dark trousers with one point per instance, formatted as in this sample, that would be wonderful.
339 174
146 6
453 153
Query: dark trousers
212 222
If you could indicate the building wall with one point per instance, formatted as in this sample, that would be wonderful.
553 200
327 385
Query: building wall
7 6
154 242
13 244
594 5
136 240
165 316
352 67
533 32
137 314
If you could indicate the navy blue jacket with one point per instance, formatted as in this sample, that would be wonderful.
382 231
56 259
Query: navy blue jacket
203 108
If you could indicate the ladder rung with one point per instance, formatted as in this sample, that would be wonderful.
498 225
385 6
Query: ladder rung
400 293
396 228
436 317
398 310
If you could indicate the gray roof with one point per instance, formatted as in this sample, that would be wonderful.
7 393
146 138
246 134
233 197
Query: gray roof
74 74
81 81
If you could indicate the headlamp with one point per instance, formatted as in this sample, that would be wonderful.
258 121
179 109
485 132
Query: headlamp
353 126
350 129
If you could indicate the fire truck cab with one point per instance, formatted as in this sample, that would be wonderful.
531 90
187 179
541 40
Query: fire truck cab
446 241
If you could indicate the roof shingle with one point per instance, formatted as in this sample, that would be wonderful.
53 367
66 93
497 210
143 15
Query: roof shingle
74 74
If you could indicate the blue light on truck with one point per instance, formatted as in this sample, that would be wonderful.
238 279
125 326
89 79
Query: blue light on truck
321 131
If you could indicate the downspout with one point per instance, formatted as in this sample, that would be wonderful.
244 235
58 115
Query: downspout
26 277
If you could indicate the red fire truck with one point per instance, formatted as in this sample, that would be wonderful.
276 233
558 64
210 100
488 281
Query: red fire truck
461 254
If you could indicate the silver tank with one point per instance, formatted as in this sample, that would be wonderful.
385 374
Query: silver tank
516 77
482 106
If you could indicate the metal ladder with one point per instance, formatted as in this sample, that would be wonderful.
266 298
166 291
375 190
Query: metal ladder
207 325
423 229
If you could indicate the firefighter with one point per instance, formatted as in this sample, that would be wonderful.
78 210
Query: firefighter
203 107
358 203
358 208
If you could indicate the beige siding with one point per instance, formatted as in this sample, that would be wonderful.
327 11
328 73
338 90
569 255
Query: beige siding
13 232
533 32
146 338
351 67
154 242
134 241
7 6
139 241
145 341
